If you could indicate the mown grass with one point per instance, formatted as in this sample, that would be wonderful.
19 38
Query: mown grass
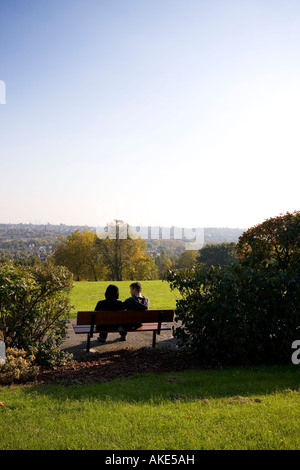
85 294
234 408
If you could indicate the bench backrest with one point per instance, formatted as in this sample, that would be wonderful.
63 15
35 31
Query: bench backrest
124 316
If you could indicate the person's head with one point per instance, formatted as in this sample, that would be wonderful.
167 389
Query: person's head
135 288
112 292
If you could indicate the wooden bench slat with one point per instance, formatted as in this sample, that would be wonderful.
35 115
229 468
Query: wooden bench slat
79 329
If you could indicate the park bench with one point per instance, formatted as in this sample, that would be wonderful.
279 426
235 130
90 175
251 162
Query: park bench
90 322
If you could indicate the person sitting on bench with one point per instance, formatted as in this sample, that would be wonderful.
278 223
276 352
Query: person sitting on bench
111 302
136 301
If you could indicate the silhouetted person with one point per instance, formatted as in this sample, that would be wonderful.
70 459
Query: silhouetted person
110 303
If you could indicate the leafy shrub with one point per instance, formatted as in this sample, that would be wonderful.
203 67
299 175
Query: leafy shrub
247 312
19 367
49 353
236 314
276 241
34 306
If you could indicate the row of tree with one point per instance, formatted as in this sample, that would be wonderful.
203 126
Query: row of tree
89 257
92 258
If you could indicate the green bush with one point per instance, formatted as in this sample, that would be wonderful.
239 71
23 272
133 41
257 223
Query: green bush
237 314
34 306
245 313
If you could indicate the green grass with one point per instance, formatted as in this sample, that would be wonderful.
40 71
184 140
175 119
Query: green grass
85 294
234 408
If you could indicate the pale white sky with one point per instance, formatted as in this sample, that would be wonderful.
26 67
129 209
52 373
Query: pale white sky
156 112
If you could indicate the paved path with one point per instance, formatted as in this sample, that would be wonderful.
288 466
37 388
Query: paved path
76 344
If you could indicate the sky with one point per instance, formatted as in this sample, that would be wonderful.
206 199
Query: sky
156 112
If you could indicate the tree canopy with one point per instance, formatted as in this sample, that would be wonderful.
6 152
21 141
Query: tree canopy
78 252
118 258
275 241
217 254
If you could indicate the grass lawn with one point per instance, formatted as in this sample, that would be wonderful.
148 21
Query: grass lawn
85 294
234 408
230 408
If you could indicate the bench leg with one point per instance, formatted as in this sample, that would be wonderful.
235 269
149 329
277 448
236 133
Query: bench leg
154 339
88 342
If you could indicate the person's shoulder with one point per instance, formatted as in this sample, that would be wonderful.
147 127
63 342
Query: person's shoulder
100 304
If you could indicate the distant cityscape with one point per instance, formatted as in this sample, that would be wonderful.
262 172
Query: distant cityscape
25 240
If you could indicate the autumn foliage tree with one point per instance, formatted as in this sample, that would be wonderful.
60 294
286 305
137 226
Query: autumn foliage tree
79 253
124 254
90 256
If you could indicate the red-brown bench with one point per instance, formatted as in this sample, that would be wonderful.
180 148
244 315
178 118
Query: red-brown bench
90 322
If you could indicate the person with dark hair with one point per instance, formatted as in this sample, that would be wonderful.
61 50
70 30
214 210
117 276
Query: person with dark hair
136 301
110 303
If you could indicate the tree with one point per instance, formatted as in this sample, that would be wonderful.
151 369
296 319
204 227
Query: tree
141 265
78 252
219 254
275 241
187 259
124 254
163 263
116 251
